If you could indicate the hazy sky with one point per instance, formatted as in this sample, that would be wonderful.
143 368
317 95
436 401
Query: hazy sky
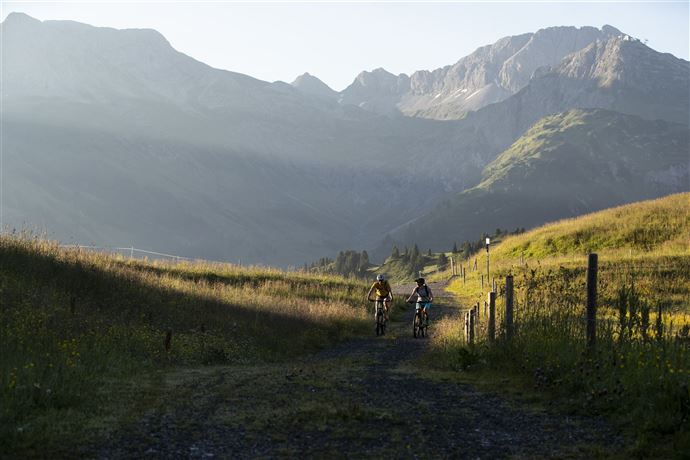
337 40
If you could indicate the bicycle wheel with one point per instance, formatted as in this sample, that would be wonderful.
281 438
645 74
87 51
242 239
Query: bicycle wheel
415 326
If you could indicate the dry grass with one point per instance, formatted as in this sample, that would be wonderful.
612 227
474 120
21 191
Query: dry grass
72 319
640 370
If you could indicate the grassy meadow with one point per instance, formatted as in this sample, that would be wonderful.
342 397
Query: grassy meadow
639 372
76 325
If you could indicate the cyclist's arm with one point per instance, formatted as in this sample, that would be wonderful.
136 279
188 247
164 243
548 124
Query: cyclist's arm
369 293
414 291
431 294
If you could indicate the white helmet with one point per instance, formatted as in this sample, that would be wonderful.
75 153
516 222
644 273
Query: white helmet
380 278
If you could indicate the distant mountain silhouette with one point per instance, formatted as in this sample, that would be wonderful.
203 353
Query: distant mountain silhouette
114 137
311 85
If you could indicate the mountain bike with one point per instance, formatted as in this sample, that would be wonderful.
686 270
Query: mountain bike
419 323
380 316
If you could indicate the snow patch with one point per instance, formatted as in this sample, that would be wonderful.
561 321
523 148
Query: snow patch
472 94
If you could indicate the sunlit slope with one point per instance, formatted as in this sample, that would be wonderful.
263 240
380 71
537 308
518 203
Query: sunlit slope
654 226
566 165
647 243
642 326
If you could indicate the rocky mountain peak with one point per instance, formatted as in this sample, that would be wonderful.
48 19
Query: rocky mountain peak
310 84
624 58
19 18
490 74
610 31
377 90
379 77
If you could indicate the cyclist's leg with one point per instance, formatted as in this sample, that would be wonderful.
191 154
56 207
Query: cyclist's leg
419 307
386 307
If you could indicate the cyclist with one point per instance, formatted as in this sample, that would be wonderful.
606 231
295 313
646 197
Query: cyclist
424 297
383 292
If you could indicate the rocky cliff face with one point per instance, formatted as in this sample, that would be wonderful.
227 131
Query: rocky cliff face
619 74
377 91
490 74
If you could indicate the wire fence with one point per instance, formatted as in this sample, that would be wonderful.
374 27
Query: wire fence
131 251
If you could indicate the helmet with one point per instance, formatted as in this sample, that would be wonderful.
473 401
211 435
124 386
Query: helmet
420 280
380 277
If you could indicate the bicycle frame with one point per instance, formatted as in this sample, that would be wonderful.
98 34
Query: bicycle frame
380 316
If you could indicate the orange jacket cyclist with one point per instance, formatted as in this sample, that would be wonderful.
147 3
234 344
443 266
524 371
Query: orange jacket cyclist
383 291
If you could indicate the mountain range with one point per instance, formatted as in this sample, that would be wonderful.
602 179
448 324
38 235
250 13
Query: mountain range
490 74
113 137
564 166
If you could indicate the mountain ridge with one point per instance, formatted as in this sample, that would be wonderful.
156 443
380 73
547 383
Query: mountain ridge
268 158
489 74
610 159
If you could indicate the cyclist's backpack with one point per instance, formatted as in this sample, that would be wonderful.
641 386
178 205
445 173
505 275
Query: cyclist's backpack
426 291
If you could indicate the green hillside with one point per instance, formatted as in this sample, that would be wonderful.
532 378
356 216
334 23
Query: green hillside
638 372
653 226
566 165
650 239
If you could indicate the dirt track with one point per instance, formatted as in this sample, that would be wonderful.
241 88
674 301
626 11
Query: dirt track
363 398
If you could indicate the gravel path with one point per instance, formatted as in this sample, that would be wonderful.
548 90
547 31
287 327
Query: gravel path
363 398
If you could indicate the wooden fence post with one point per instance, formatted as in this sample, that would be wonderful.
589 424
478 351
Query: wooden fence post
482 280
592 268
463 274
472 323
509 307
476 312
467 326
493 284
452 267
167 343
491 327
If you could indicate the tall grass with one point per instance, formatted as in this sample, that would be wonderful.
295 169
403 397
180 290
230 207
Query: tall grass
660 227
639 372
70 319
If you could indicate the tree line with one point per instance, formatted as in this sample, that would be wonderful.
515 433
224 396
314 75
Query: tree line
469 247
409 260
347 263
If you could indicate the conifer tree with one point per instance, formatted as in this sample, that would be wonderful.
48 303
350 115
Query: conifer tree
415 252
442 261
